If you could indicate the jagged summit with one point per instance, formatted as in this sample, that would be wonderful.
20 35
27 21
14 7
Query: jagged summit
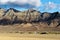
12 9
33 10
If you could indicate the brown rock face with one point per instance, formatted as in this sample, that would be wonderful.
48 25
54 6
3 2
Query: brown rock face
46 15
54 23
1 13
9 15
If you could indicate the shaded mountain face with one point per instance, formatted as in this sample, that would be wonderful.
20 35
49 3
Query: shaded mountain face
29 16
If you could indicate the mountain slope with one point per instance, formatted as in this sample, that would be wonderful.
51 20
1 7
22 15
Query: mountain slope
1 12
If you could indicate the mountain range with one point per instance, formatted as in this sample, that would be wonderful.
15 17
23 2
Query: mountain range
30 17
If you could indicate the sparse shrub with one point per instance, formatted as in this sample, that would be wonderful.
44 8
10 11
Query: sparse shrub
10 32
16 32
43 33
38 32
30 32
21 32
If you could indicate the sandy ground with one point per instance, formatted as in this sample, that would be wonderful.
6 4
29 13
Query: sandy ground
17 36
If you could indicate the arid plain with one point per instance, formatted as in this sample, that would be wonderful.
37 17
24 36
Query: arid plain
17 36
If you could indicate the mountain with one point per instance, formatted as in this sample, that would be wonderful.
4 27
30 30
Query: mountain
32 17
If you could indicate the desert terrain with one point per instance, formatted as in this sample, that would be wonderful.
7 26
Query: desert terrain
17 36
29 25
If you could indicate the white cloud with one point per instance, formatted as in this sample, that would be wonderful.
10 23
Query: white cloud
21 1
3 1
52 5
12 0
36 3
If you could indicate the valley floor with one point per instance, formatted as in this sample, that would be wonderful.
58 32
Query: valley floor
17 36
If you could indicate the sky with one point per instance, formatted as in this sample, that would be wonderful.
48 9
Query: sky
40 5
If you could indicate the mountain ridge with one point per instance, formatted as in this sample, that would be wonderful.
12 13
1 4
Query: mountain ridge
30 14
34 18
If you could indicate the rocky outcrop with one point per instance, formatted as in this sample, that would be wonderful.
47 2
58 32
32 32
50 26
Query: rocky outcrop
2 11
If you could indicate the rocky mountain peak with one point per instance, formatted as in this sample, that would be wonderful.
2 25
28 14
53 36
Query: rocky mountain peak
12 9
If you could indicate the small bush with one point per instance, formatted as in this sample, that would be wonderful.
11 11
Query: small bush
44 33
30 32
21 32
16 32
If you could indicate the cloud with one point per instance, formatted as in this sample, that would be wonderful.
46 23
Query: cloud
3 1
35 3
50 5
